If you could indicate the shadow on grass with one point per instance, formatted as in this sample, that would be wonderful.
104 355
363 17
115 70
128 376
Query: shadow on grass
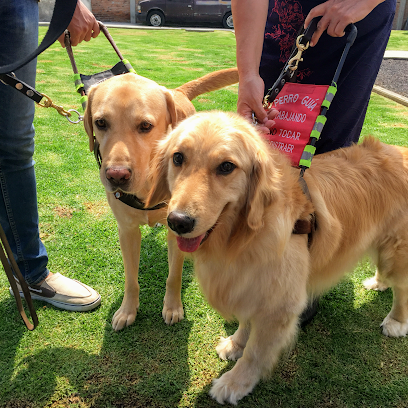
122 375
144 365
341 359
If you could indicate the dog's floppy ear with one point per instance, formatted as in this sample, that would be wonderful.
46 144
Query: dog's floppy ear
159 190
171 108
88 121
262 189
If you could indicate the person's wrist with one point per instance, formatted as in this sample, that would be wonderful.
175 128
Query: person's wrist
248 76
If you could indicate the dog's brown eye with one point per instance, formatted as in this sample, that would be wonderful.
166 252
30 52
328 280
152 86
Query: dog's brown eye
100 124
145 126
225 168
178 159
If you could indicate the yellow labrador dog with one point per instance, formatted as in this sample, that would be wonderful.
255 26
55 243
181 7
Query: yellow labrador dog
235 205
125 117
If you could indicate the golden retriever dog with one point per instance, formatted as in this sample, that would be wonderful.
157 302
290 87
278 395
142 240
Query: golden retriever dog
234 206
125 117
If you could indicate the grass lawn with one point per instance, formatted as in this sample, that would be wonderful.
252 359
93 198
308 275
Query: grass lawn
398 41
77 360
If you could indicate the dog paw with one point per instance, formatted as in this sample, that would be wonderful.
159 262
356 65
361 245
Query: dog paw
374 284
394 328
172 313
227 349
123 318
225 389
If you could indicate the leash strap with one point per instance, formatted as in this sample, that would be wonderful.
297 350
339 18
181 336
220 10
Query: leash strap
288 74
10 265
301 132
25 89
30 92
61 17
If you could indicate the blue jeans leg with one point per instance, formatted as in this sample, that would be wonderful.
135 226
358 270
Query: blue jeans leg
18 201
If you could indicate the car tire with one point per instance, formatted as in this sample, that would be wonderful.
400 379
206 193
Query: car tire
155 18
227 20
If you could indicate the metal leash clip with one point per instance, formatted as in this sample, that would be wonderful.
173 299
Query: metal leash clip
294 62
48 103
254 119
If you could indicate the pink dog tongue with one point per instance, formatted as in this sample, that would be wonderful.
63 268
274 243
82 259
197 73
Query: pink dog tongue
189 244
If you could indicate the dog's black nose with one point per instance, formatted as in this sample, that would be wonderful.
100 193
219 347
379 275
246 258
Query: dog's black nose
117 175
180 222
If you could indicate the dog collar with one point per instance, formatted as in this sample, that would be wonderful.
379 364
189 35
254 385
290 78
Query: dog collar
129 199
133 201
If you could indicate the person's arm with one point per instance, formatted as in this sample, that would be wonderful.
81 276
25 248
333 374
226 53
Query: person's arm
83 26
337 15
249 24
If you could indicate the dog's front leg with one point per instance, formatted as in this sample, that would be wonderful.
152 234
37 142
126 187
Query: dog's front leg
232 347
268 337
173 308
130 242
395 323
375 283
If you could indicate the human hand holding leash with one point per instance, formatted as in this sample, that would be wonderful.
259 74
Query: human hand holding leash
83 26
250 96
249 33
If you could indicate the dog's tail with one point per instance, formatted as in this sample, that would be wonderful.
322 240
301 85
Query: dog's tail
210 82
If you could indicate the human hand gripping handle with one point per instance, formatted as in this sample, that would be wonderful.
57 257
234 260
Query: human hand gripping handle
83 26
250 97
337 15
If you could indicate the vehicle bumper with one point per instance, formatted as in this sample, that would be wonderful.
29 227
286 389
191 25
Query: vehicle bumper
141 17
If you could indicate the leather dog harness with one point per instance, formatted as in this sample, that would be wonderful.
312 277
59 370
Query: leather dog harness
305 226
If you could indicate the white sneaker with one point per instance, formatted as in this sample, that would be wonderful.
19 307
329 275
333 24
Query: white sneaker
64 293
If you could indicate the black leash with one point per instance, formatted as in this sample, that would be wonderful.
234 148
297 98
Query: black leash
62 16
25 89
288 73
10 266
